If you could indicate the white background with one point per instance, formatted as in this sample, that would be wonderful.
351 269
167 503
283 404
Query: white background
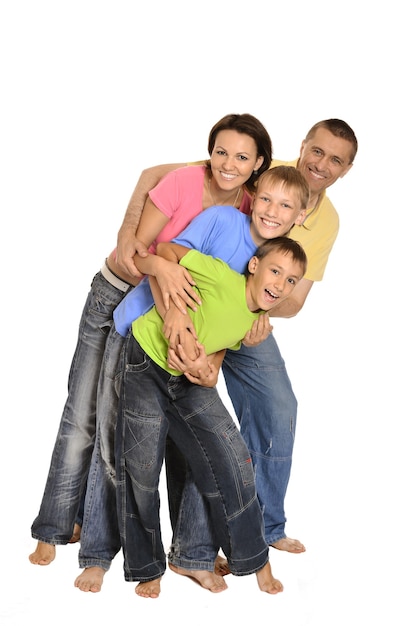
92 93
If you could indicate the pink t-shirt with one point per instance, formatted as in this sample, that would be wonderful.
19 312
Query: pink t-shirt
179 195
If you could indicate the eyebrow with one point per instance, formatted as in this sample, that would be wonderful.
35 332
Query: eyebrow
332 156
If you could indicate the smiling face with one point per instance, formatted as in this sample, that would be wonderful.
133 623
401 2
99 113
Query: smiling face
271 279
233 159
323 159
275 209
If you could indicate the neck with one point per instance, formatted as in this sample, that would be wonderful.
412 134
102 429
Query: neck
218 196
314 200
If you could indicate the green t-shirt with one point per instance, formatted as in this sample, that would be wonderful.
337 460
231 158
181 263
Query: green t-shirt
221 321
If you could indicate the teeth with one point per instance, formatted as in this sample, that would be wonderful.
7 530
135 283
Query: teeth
271 294
268 223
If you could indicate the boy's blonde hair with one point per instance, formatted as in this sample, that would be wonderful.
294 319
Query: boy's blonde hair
288 176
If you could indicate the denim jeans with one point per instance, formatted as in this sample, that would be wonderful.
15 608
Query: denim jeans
70 462
100 540
265 405
151 402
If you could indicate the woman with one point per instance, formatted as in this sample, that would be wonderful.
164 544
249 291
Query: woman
240 150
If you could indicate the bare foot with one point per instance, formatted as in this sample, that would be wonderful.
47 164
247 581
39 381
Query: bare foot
76 534
43 555
267 582
221 566
90 580
289 545
150 589
204 578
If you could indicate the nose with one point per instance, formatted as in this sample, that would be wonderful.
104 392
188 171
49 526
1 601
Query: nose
228 163
279 283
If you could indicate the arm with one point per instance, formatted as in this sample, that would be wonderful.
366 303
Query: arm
175 281
126 238
177 326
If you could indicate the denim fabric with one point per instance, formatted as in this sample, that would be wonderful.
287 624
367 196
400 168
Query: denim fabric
152 401
100 541
74 444
265 405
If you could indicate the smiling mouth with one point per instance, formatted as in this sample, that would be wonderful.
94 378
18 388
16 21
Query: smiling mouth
272 295
228 176
316 175
270 224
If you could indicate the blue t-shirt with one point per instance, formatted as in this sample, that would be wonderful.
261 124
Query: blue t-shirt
220 231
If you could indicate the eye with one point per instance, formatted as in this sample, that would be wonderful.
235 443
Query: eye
242 157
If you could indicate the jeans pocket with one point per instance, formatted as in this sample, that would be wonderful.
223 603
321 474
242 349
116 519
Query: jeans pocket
142 436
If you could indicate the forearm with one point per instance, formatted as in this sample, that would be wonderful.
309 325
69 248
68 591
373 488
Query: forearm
287 308
157 296
149 265
148 179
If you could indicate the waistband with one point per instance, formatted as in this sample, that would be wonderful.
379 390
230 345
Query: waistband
113 279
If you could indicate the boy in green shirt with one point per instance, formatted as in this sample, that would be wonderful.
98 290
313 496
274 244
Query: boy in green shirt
154 398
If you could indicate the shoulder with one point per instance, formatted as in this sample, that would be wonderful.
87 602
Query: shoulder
189 172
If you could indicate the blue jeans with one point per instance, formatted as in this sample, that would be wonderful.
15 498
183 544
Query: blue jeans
100 540
71 457
265 405
217 455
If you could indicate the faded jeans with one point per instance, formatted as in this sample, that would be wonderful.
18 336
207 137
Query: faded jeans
70 461
262 396
151 402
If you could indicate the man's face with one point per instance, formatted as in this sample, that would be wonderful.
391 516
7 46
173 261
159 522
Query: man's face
324 159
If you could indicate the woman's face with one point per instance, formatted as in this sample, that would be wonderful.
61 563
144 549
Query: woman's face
233 159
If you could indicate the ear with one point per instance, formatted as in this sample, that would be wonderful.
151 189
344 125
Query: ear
253 264
301 217
303 143
258 163
346 170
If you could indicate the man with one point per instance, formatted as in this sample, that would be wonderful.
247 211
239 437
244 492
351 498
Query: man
268 423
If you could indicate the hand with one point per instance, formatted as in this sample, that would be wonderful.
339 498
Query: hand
176 285
198 371
261 329
177 327
127 247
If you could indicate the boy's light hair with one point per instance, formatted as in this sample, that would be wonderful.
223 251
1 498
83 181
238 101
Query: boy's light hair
288 176
284 245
